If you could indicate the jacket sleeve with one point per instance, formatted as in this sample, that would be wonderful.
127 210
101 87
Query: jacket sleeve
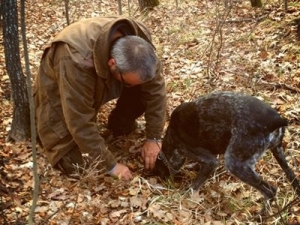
153 94
154 97
77 88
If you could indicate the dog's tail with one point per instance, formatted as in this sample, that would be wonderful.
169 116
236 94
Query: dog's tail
277 123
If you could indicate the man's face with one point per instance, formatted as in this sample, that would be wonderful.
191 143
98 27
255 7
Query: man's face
128 79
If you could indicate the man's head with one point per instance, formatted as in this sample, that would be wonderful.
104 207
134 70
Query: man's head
133 60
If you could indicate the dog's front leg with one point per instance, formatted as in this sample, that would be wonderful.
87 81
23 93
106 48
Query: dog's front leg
208 164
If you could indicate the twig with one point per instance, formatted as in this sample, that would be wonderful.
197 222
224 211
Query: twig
241 20
72 214
258 20
53 214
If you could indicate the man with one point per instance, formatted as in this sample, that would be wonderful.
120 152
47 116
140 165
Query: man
89 63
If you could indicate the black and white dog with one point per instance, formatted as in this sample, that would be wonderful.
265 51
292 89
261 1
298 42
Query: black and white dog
237 125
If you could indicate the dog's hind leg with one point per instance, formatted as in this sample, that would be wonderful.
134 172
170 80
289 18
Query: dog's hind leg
240 159
275 139
208 163
246 173
280 157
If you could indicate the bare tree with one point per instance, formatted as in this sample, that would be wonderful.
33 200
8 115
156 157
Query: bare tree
67 11
120 7
1 12
32 117
148 4
20 128
256 3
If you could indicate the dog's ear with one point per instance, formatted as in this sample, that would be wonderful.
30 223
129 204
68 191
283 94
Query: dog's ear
184 113
184 123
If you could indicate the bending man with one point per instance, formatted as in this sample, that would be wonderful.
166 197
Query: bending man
88 64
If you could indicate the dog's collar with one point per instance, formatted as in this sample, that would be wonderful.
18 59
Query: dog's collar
161 156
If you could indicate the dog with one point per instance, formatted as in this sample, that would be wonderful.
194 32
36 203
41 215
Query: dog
239 126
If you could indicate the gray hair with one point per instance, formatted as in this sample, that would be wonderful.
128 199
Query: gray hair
134 54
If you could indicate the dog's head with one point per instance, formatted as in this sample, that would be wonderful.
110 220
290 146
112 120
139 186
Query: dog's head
161 168
169 159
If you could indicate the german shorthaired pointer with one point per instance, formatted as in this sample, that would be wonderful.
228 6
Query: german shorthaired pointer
237 125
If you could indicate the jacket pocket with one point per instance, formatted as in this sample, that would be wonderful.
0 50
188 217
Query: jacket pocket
51 127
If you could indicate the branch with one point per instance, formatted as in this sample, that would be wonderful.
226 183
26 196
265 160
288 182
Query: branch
220 21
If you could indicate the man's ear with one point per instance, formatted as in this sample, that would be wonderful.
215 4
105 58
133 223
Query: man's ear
111 62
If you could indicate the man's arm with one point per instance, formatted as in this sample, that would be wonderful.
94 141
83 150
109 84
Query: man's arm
154 96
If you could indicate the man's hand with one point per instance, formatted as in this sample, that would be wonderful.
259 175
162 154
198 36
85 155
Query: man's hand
150 151
121 172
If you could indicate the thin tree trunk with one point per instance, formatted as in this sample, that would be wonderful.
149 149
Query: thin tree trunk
1 12
67 11
20 128
120 7
32 118
256 3
285 5
148 4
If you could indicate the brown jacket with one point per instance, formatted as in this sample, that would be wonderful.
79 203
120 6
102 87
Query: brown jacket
74 81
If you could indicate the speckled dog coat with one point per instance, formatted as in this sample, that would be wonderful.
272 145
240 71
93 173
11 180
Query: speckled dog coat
237 125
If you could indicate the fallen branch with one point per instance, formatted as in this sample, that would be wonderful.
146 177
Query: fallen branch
279 85
289 205
240 20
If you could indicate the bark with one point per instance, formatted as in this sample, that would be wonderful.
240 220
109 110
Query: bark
20 128
148 4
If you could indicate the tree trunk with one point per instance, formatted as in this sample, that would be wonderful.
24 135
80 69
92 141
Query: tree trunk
1 12
20 128
148 4
256 3
67 11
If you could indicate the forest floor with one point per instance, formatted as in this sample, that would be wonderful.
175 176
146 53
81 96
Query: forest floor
204 47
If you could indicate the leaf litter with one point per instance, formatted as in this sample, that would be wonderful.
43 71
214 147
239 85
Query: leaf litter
256 53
